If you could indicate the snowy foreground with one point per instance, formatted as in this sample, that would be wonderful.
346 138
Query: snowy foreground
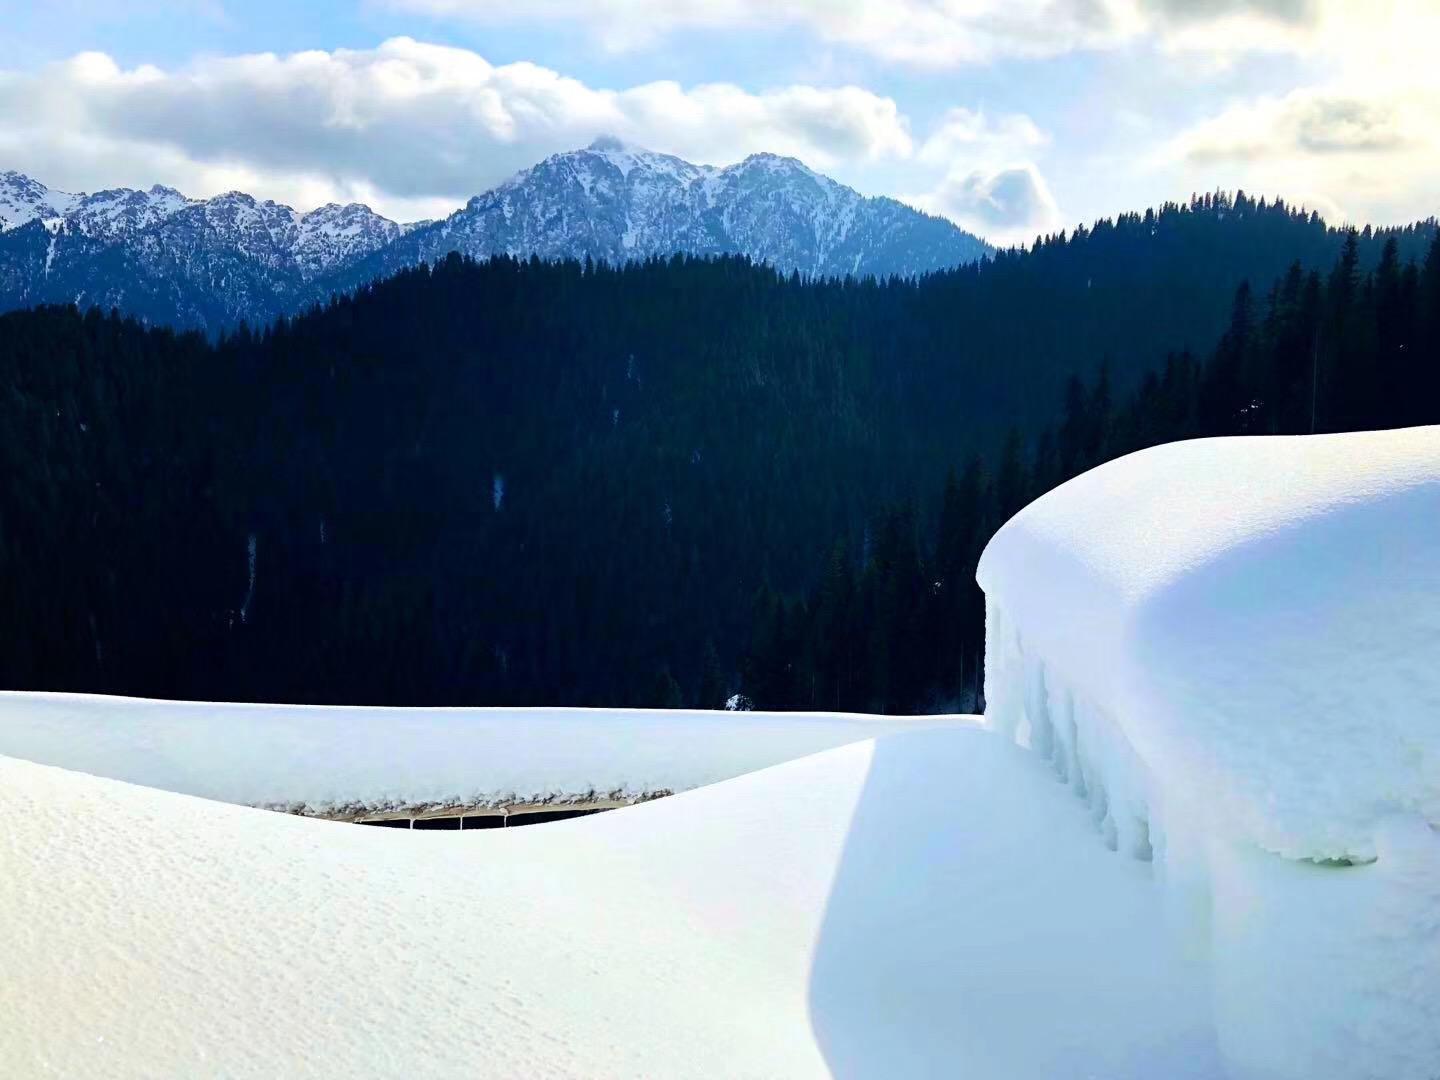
1230 649
925 903
1195 837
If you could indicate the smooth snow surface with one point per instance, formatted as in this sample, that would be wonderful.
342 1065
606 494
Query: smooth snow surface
320 760
1230 650
921 904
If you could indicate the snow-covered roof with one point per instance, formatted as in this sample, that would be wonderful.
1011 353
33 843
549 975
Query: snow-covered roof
1257 618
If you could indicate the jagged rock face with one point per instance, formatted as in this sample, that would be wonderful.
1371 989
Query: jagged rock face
211 263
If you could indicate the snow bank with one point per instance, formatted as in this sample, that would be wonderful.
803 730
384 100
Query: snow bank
321 760
887 908
1230 649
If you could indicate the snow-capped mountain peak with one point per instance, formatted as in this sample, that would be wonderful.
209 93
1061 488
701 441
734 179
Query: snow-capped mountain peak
120 212
162 218
23 200
167 257
628 158
212 262
334 234
614 201
776 163
596 167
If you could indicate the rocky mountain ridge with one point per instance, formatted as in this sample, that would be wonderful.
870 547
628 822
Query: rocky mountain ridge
211 263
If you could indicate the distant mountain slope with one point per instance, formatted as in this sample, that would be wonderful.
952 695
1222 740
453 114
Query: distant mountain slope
614 203
166 258
23 199
211 263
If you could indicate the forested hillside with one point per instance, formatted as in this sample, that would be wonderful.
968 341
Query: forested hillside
517 482
902 629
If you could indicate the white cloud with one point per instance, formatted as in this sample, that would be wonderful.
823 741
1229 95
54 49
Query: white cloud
1307 122
931 33
925 32
991 184
970 135
412 128
1009 205
1363 145
1358 154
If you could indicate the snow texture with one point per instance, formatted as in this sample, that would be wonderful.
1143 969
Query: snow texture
1228 649
925 903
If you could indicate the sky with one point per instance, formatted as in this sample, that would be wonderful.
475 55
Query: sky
1013 118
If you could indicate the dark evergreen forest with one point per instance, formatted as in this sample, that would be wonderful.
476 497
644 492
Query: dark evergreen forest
901 629
661 484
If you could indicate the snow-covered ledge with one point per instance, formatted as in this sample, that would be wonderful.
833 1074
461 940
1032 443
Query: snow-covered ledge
1230 649
340 761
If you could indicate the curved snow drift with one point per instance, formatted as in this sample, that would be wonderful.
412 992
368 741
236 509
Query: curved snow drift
887 908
